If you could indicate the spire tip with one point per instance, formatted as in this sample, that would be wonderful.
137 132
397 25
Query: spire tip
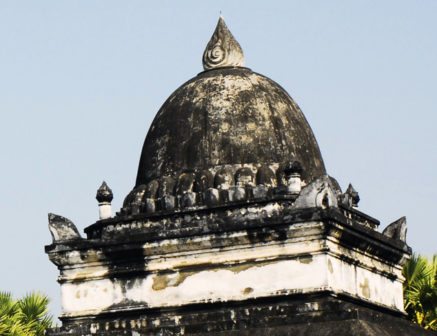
222 50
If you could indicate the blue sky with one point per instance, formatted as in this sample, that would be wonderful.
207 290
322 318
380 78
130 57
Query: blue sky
80 82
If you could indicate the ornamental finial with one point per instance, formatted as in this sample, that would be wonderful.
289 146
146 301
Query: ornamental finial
104 193
104 197
222 50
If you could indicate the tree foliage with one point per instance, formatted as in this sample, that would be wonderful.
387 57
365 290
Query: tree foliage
420 290
27 316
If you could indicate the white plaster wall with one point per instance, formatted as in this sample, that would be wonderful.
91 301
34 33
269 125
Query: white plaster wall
341 276
364 283
378 288
159 290
223 285
306 262
90 296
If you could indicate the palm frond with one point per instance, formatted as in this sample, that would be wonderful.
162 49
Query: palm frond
420 290
25 317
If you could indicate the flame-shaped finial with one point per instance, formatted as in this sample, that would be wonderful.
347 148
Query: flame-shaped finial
104 193
222 50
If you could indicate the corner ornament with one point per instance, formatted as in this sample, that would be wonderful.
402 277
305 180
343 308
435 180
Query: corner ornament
62 229
222 50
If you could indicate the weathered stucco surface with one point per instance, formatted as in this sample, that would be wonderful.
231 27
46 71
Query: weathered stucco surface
233 227
306 274
283 246
228 116
300 252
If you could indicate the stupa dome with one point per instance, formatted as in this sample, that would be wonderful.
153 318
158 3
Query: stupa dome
227 115
232 228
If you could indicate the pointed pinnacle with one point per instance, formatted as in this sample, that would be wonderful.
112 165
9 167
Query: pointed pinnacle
353 194
351 189
222 50
104 193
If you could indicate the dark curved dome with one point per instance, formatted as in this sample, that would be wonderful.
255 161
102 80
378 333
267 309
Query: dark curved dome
228 115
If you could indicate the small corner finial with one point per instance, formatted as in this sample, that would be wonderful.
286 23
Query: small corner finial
104 193
353 194
104 196
222 50
350 198
293 172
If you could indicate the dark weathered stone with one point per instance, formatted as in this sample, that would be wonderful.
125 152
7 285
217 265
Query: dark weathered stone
228 116
168 202
244 176
185 183
166 186
152 189
220 221
62 228
150 205
397 229
188 199
260 192
265 176
204 180
305 315
293 167
350 198
212 197
104 193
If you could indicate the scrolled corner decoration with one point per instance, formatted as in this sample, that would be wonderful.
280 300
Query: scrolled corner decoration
222 50
214 57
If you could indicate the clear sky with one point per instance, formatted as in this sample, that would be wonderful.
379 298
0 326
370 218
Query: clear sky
80 82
